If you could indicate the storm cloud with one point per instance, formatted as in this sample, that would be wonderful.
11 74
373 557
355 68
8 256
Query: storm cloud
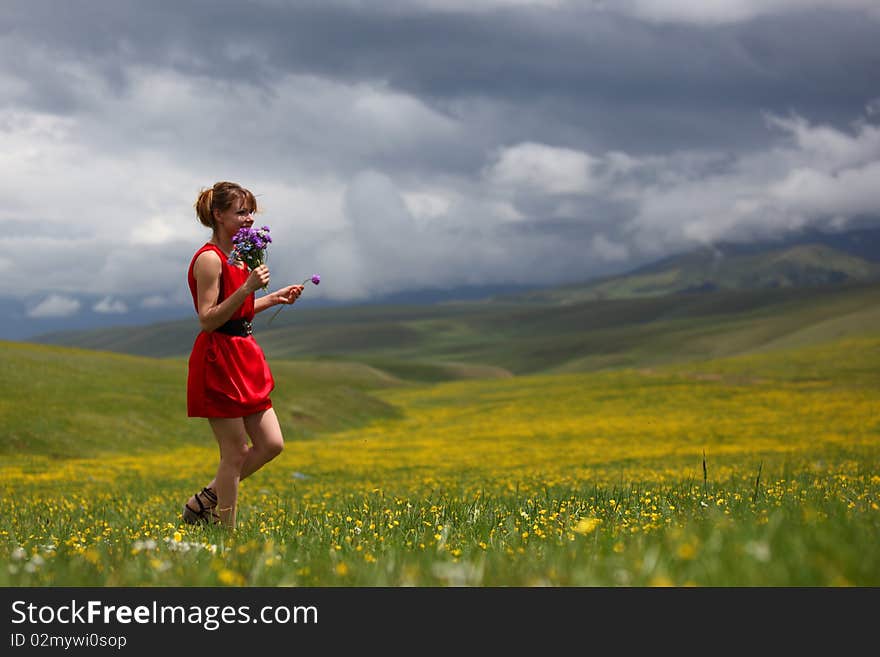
400 145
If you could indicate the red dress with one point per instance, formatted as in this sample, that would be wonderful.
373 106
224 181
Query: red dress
228 375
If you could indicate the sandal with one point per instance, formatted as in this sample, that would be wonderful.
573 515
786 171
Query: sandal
204 513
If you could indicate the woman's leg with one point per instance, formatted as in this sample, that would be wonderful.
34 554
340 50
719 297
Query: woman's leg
268 442
232 440
265 433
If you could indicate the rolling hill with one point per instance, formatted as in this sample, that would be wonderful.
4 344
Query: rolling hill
63 402
500 338
707 303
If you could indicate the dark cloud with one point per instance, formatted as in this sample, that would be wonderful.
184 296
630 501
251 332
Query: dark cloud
425 143
602 79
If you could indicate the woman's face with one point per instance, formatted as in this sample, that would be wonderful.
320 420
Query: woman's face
238 215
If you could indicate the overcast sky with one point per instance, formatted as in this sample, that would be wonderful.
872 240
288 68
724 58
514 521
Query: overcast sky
424 143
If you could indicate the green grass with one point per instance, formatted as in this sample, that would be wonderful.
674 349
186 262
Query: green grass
809 534
753 470
63 402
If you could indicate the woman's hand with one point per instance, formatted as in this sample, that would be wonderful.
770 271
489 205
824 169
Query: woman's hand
288 295
257 279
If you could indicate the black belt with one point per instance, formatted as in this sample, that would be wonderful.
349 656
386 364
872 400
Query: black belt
239 327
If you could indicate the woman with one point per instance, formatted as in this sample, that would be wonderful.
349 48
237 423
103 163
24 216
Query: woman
229 381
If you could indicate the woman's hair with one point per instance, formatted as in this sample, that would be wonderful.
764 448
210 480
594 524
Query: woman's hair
221 197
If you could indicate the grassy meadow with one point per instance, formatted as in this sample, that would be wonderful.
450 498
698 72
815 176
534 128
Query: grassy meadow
761 469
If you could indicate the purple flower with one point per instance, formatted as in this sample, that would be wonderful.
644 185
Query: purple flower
249 246
315 278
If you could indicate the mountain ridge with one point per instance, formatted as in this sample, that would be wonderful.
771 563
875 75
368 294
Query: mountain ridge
815 259
566 327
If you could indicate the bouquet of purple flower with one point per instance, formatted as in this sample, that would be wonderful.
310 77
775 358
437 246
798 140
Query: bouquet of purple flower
249 246
314 278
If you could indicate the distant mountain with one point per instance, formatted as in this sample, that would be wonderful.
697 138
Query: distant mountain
499 338
590 325
862 243
806 260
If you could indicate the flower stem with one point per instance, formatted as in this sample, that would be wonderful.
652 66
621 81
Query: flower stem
281 306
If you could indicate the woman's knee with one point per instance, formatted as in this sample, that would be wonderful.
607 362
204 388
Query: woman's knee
265 432
234 456
274 447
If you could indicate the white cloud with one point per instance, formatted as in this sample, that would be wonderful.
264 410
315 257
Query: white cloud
706 12
427 205
393 118
816 193
110 306
482 5
504 211
712 12
54 305
543 168
156 230
343 272
155 301
817 176
388 239
112 185
827 147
